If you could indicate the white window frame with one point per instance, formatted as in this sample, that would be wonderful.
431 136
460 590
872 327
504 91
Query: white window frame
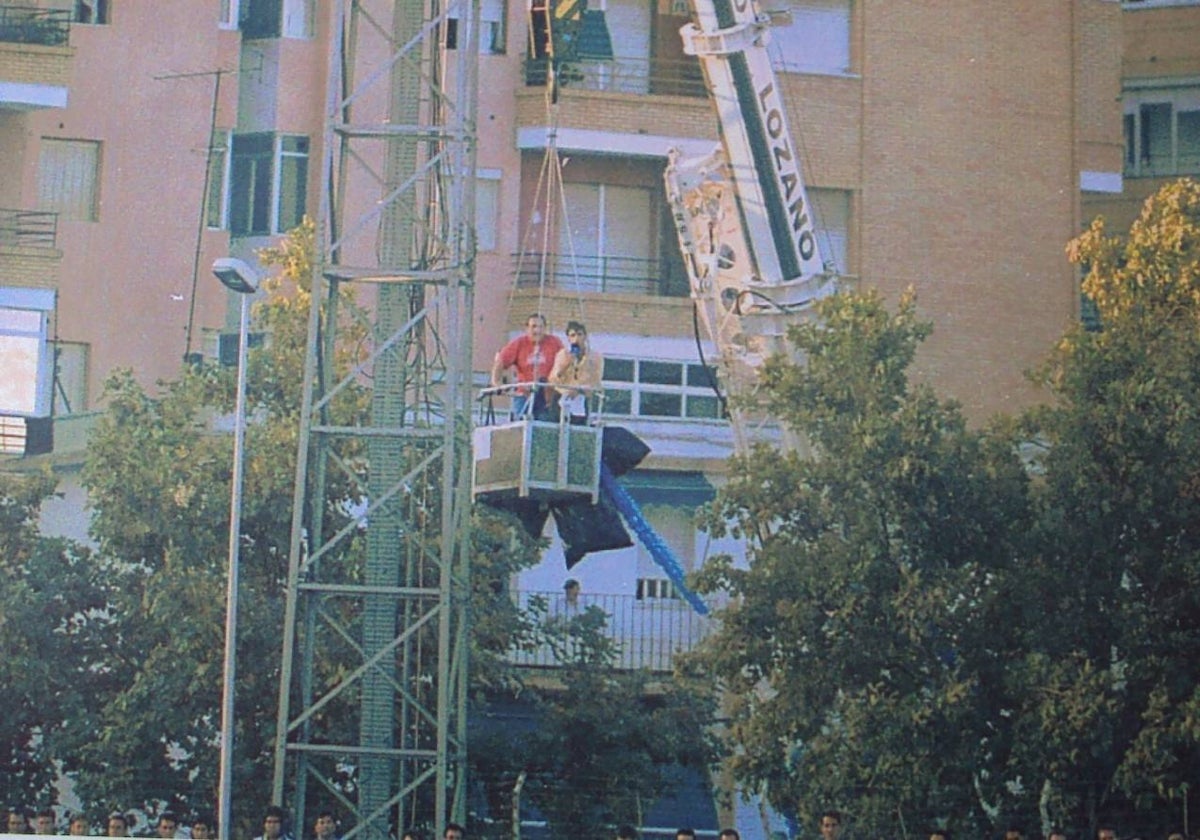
277 182
817 40
277 159
1180 96
493 33
296 17
35 307
638 390
230 11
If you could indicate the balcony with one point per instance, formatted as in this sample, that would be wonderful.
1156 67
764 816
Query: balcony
29 255
649 633
35 59
578 273
647 102
639 77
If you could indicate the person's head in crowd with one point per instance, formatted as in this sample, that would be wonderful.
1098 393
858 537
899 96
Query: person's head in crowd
118 824
273 819
167 825
202 827
17 821
79 826
45 821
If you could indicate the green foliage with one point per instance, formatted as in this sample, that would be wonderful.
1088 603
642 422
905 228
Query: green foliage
852 660
55 635
591 745
1120 504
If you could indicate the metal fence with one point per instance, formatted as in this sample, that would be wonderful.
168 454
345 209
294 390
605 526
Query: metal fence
28 228
595 273
639 77
648 632
31 25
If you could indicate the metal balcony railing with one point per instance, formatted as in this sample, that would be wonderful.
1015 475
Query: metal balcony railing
648 632
596 273
642 77
28 228
31 25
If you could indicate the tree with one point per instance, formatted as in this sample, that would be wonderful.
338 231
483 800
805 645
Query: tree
593 746
54 631
158 480
858 659
1119 510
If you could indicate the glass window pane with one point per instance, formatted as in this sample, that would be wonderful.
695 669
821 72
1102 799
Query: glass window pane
19 357
618 402
1188 141
660 405
705 407
20 322
661 373
293 179
1156 136
700 376
294 144
215 203
618 370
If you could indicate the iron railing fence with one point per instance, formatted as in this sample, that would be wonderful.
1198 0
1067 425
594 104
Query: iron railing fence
648 632
31 25
639 77
32 228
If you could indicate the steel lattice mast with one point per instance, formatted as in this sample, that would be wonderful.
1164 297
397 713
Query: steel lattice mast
373 682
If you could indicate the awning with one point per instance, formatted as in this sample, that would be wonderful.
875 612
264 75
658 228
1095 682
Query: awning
668 487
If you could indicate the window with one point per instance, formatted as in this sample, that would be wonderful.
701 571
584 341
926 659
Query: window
91 11
216 208
832 223
24 354
70 377
816 41
1162 131
652 388
68 173
270 18
609 232
487 200
649 589
268 183
491 28
293 181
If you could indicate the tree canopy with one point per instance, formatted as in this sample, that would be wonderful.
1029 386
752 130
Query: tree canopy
971 627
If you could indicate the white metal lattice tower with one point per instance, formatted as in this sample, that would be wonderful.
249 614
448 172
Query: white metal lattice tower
373 683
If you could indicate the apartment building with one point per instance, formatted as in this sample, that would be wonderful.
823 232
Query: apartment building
950 147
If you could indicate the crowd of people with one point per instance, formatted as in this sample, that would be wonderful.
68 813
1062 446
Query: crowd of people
168 826
325 827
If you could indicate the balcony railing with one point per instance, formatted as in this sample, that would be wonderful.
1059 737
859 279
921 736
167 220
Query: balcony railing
28 228
30 25
644 77
595 273
649 633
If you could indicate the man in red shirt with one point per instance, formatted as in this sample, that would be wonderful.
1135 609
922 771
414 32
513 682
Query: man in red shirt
532 356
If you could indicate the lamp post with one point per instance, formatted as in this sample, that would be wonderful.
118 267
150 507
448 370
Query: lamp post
242 278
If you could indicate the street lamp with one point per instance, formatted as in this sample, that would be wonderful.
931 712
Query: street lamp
242 278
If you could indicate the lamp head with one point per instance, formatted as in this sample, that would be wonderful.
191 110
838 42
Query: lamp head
237 275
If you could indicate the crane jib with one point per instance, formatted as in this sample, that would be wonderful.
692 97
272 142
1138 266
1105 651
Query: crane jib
775 169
